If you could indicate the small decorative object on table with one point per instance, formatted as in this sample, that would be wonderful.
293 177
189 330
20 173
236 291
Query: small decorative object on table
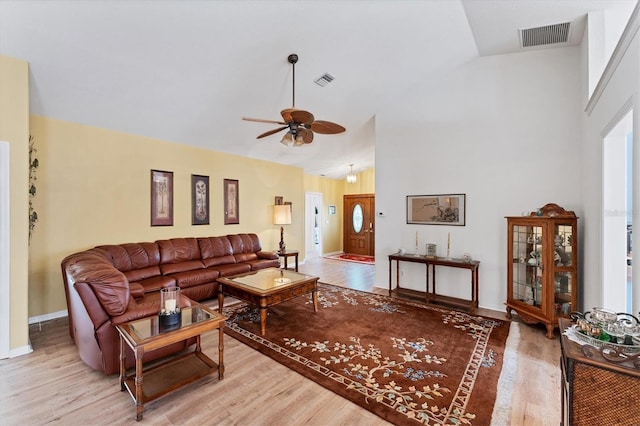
615 335
430 250
169 315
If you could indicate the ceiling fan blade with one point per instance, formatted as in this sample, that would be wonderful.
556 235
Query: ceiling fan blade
326 127
271 132
260 120
302 117
286 114
307 135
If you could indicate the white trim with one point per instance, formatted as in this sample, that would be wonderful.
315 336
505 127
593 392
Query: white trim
48 317
616 57
5 251
20 351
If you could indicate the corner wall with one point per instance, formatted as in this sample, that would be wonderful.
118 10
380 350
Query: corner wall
14 128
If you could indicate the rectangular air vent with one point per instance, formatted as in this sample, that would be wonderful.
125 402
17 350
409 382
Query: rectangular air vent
323 80
542 36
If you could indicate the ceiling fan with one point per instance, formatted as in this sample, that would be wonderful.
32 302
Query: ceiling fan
301 124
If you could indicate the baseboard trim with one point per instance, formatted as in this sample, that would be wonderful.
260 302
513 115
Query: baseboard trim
47 317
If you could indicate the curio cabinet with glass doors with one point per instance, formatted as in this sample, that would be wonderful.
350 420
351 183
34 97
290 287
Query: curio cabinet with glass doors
542 269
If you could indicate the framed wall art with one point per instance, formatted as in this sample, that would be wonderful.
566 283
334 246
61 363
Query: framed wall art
161 198
199 200
439 209
231 202
278 201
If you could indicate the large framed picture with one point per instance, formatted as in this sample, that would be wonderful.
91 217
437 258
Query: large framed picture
161 198
231 202
439 209
199 200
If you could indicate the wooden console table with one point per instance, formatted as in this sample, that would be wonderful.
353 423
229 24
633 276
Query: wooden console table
430 294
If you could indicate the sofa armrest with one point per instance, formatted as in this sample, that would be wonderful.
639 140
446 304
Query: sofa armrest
136 290
267 255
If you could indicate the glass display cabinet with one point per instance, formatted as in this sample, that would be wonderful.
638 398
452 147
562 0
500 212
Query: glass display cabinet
542 270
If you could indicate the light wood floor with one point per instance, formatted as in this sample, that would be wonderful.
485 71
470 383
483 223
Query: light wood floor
52 384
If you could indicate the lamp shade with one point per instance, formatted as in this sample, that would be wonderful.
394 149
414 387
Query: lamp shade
282 214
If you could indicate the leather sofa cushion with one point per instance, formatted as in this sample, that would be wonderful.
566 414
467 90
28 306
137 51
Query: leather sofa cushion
191 278
141 274
211 247
232 269
155 283
174 268
245 257
178 250
131 256
263 263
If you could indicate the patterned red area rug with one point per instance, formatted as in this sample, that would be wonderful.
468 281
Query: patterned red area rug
370 260
406 362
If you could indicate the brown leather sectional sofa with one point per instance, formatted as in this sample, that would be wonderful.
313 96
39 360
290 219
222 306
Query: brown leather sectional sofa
112 284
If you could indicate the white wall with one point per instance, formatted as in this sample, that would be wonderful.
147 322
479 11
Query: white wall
504 130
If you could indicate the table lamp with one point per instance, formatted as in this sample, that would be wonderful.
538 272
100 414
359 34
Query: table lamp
282 216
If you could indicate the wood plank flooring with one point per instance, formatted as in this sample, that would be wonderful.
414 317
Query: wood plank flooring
52 384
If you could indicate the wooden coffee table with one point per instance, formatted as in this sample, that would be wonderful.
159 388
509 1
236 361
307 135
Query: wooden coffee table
167 376
268 287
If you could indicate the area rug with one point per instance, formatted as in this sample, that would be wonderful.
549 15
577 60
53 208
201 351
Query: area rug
406 362
370 260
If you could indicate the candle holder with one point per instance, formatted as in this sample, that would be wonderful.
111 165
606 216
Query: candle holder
169 315
430 250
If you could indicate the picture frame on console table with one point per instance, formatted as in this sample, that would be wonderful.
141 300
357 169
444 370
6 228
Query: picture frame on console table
437 209
231 202
161 198
199 200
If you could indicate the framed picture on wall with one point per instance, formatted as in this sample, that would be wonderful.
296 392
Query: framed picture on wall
161 198
440 209
231 202
199 200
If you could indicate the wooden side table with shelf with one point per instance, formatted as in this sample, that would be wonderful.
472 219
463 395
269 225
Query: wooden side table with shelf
286 254
165 377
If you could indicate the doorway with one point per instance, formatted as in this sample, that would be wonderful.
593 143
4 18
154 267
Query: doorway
313 224
359 224
618 216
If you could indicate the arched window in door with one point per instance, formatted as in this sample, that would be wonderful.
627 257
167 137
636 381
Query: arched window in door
357 218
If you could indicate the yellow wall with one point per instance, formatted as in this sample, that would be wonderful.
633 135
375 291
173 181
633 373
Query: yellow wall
333 191
14 128
93 188
365 183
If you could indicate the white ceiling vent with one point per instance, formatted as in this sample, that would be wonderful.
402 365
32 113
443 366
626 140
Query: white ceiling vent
542 36
324 79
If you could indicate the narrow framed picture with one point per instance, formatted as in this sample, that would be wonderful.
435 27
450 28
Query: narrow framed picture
231 202
278 201
439 209
199 200
161 198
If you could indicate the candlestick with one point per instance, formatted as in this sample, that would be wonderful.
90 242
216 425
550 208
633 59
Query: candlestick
448 245
416 243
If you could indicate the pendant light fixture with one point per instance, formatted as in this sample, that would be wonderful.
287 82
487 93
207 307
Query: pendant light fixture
351 177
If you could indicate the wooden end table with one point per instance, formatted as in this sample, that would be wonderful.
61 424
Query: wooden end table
285 254
145 335
267 287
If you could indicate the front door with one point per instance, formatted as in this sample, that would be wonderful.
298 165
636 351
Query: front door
359 221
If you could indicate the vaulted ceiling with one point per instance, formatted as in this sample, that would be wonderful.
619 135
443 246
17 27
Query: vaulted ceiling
188 71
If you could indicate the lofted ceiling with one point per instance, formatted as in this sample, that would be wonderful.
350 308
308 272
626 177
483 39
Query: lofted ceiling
188 71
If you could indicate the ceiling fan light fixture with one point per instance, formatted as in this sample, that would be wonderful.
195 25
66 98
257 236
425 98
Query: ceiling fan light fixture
351 177
287 139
